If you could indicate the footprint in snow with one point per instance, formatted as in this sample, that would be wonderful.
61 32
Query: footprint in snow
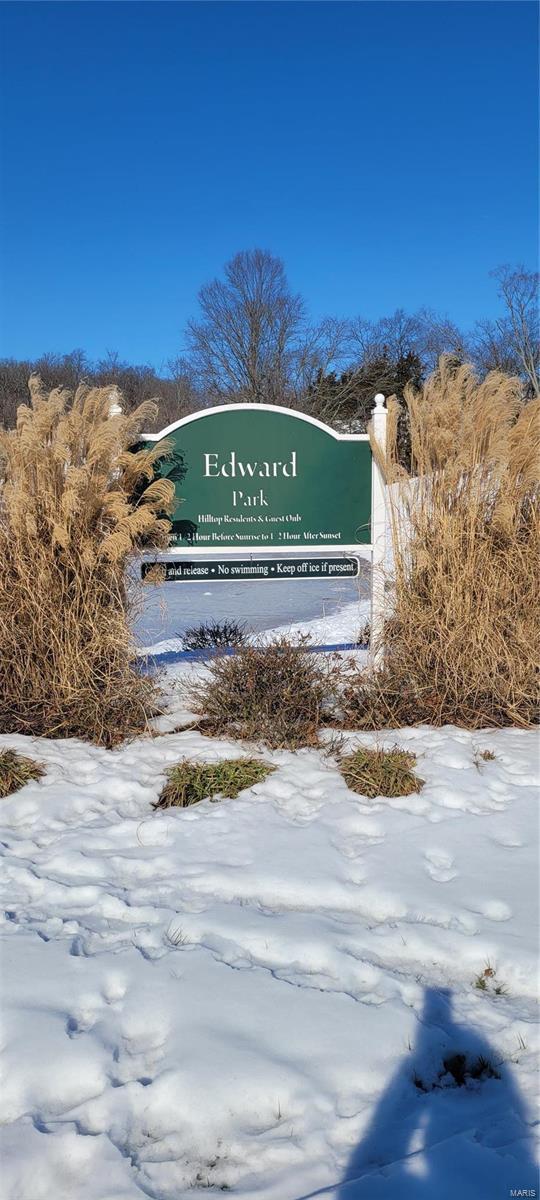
137 1057
91 1008
511 841
496 910
439 865
82 1019
113 989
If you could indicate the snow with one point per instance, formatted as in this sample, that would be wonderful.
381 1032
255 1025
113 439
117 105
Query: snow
236 998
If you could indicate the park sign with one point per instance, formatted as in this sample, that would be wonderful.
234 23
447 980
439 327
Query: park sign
252 478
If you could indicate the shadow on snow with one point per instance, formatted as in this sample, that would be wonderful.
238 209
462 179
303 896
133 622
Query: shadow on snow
450 1123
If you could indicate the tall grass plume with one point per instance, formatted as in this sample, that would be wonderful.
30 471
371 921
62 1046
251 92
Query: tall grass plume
75 502
461 641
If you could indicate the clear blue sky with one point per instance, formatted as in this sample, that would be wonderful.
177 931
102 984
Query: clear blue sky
386 151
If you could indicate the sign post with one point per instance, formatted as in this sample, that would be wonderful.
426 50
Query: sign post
378 531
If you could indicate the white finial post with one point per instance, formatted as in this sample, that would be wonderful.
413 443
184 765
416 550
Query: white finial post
378 531
115 409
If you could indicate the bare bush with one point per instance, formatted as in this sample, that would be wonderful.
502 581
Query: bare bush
277 694
213 634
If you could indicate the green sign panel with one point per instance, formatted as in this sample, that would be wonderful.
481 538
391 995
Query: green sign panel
259 477
265 568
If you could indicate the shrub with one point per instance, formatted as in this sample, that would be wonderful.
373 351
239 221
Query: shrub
381 772
188 783
214 633
275 693
16 770
72 509
363 637
460 645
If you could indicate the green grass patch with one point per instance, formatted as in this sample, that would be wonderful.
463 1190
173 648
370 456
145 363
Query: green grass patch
16 770
381 772
188 783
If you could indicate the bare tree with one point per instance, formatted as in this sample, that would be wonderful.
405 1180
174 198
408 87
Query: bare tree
323 350
399 334
56 370
391 337
437 334
174 392
490 348
249 330
425 334
364 340
511 342
518 289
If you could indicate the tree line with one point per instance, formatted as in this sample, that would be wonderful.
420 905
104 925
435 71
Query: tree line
252 341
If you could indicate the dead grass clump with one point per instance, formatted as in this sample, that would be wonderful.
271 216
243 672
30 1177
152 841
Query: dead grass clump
381 772
483 756
461 643
16 770
188 783
275 694
74 503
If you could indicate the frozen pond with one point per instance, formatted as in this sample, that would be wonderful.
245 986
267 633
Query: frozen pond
170 608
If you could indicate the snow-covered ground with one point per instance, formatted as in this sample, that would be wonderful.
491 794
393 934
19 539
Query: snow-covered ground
237 998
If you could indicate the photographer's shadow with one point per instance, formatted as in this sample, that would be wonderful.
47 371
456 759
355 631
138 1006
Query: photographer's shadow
449 1124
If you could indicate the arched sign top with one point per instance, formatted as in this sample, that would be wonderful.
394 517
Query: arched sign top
259 477
272 408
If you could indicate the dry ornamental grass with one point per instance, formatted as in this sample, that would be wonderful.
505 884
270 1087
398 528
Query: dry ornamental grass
461 643
75 502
